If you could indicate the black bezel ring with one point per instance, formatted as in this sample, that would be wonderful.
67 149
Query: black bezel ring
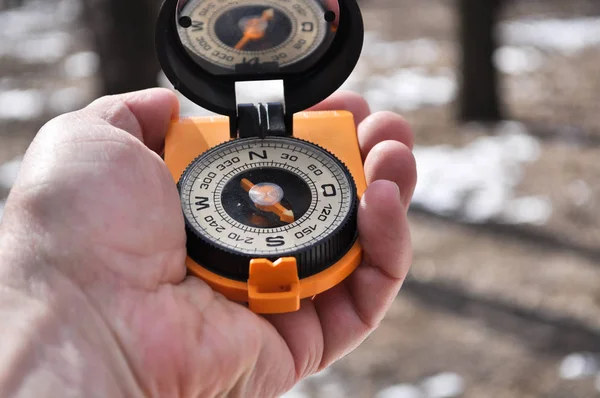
311 260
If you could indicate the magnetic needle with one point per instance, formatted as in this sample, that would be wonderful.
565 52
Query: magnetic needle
269 193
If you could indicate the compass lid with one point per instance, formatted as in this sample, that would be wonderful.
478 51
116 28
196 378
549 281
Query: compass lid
210 85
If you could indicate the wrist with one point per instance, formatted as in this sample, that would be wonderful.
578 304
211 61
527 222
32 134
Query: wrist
53 340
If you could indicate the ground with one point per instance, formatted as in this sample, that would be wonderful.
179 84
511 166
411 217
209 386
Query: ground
506 219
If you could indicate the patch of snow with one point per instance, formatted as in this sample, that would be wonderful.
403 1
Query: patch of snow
409 89
48 47
331 389
579 366
9 172
443 385
390 75
567 36
421 51
82 64
37 16
476 182
38 32
522 146
401 391
386 54
1 209
21 104
67 99
24 20
518 60
531 210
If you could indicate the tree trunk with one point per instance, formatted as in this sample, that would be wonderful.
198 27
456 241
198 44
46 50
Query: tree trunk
8 4
479 97
123 32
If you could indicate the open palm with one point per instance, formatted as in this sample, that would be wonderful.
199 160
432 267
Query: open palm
99 206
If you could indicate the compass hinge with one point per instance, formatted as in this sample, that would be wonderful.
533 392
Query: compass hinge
262 120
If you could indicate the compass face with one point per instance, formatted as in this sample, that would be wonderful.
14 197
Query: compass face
266 197
265 34
256 204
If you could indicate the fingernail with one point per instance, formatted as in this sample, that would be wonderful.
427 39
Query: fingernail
391 184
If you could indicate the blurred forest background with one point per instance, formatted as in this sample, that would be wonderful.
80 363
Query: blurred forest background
504 96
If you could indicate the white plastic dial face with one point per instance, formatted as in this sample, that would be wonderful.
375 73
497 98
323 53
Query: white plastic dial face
232 196
227 33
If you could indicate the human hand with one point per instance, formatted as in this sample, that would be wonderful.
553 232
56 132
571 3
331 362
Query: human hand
93 286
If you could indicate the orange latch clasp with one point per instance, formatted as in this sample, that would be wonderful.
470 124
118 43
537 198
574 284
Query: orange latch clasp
274 288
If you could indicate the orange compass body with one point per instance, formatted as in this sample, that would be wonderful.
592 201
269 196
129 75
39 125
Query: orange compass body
269 191
268 290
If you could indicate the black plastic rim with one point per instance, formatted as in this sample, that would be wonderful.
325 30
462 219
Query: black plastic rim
302 90
310 260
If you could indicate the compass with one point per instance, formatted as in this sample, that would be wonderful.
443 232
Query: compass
268 198
269 193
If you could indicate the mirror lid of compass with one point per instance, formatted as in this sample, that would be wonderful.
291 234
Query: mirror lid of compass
205 47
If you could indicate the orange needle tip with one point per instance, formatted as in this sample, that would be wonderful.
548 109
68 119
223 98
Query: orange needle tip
246 185
287 216
268 14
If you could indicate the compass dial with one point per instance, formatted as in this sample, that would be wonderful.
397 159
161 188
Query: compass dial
229 33
268 198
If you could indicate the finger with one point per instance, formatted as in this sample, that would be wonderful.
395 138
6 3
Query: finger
208 325
145 114
303 335
346 314
393 161
384 126
333 314
352 310
386 240
345 101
